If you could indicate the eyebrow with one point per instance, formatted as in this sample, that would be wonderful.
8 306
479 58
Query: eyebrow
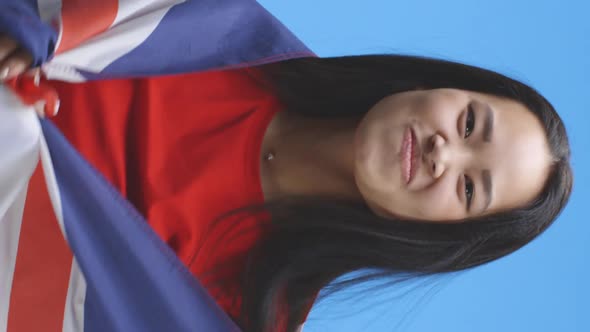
488 125
486 176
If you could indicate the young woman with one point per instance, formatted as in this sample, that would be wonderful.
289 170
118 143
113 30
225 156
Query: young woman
270 182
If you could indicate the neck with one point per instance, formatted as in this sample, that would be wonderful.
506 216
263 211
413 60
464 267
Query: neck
310 156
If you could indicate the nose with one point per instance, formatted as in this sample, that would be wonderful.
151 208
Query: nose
437 155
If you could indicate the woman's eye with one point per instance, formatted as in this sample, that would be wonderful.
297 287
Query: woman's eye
469 121
468 191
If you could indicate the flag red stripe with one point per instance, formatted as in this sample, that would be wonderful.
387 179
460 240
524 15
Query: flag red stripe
82 19
43 265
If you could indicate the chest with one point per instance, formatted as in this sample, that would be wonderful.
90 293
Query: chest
267 157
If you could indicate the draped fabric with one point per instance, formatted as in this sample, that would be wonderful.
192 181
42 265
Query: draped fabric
74 254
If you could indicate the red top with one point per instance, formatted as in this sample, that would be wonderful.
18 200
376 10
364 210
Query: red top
183 149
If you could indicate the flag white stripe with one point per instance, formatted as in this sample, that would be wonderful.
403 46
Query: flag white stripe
19 142
10 226
52 187
98 52
19 154
74 310
130 9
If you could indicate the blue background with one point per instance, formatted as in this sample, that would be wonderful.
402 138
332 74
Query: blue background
542 287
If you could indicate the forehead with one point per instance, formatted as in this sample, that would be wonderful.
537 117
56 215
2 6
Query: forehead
518 155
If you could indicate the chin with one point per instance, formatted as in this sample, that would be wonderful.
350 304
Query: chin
378 210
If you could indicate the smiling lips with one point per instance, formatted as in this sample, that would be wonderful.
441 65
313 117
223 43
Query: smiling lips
409 153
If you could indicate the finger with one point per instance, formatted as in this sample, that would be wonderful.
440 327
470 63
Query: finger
40 108
47 107
7 46
35 73
16 63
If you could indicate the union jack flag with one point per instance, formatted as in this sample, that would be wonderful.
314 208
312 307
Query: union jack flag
74 254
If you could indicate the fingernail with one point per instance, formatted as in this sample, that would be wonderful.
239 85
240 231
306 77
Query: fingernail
40 108
56 108
4 73
37 79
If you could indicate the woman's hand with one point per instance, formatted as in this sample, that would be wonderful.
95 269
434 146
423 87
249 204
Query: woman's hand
14 60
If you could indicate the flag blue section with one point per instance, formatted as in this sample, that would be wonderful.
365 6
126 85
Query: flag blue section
208 34
134 281
20 20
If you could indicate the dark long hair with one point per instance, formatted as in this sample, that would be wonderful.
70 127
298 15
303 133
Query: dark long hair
314 240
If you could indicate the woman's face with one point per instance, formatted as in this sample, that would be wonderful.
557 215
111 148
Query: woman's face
448 154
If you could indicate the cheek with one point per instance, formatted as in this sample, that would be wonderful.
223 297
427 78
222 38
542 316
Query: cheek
437 202
440 112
